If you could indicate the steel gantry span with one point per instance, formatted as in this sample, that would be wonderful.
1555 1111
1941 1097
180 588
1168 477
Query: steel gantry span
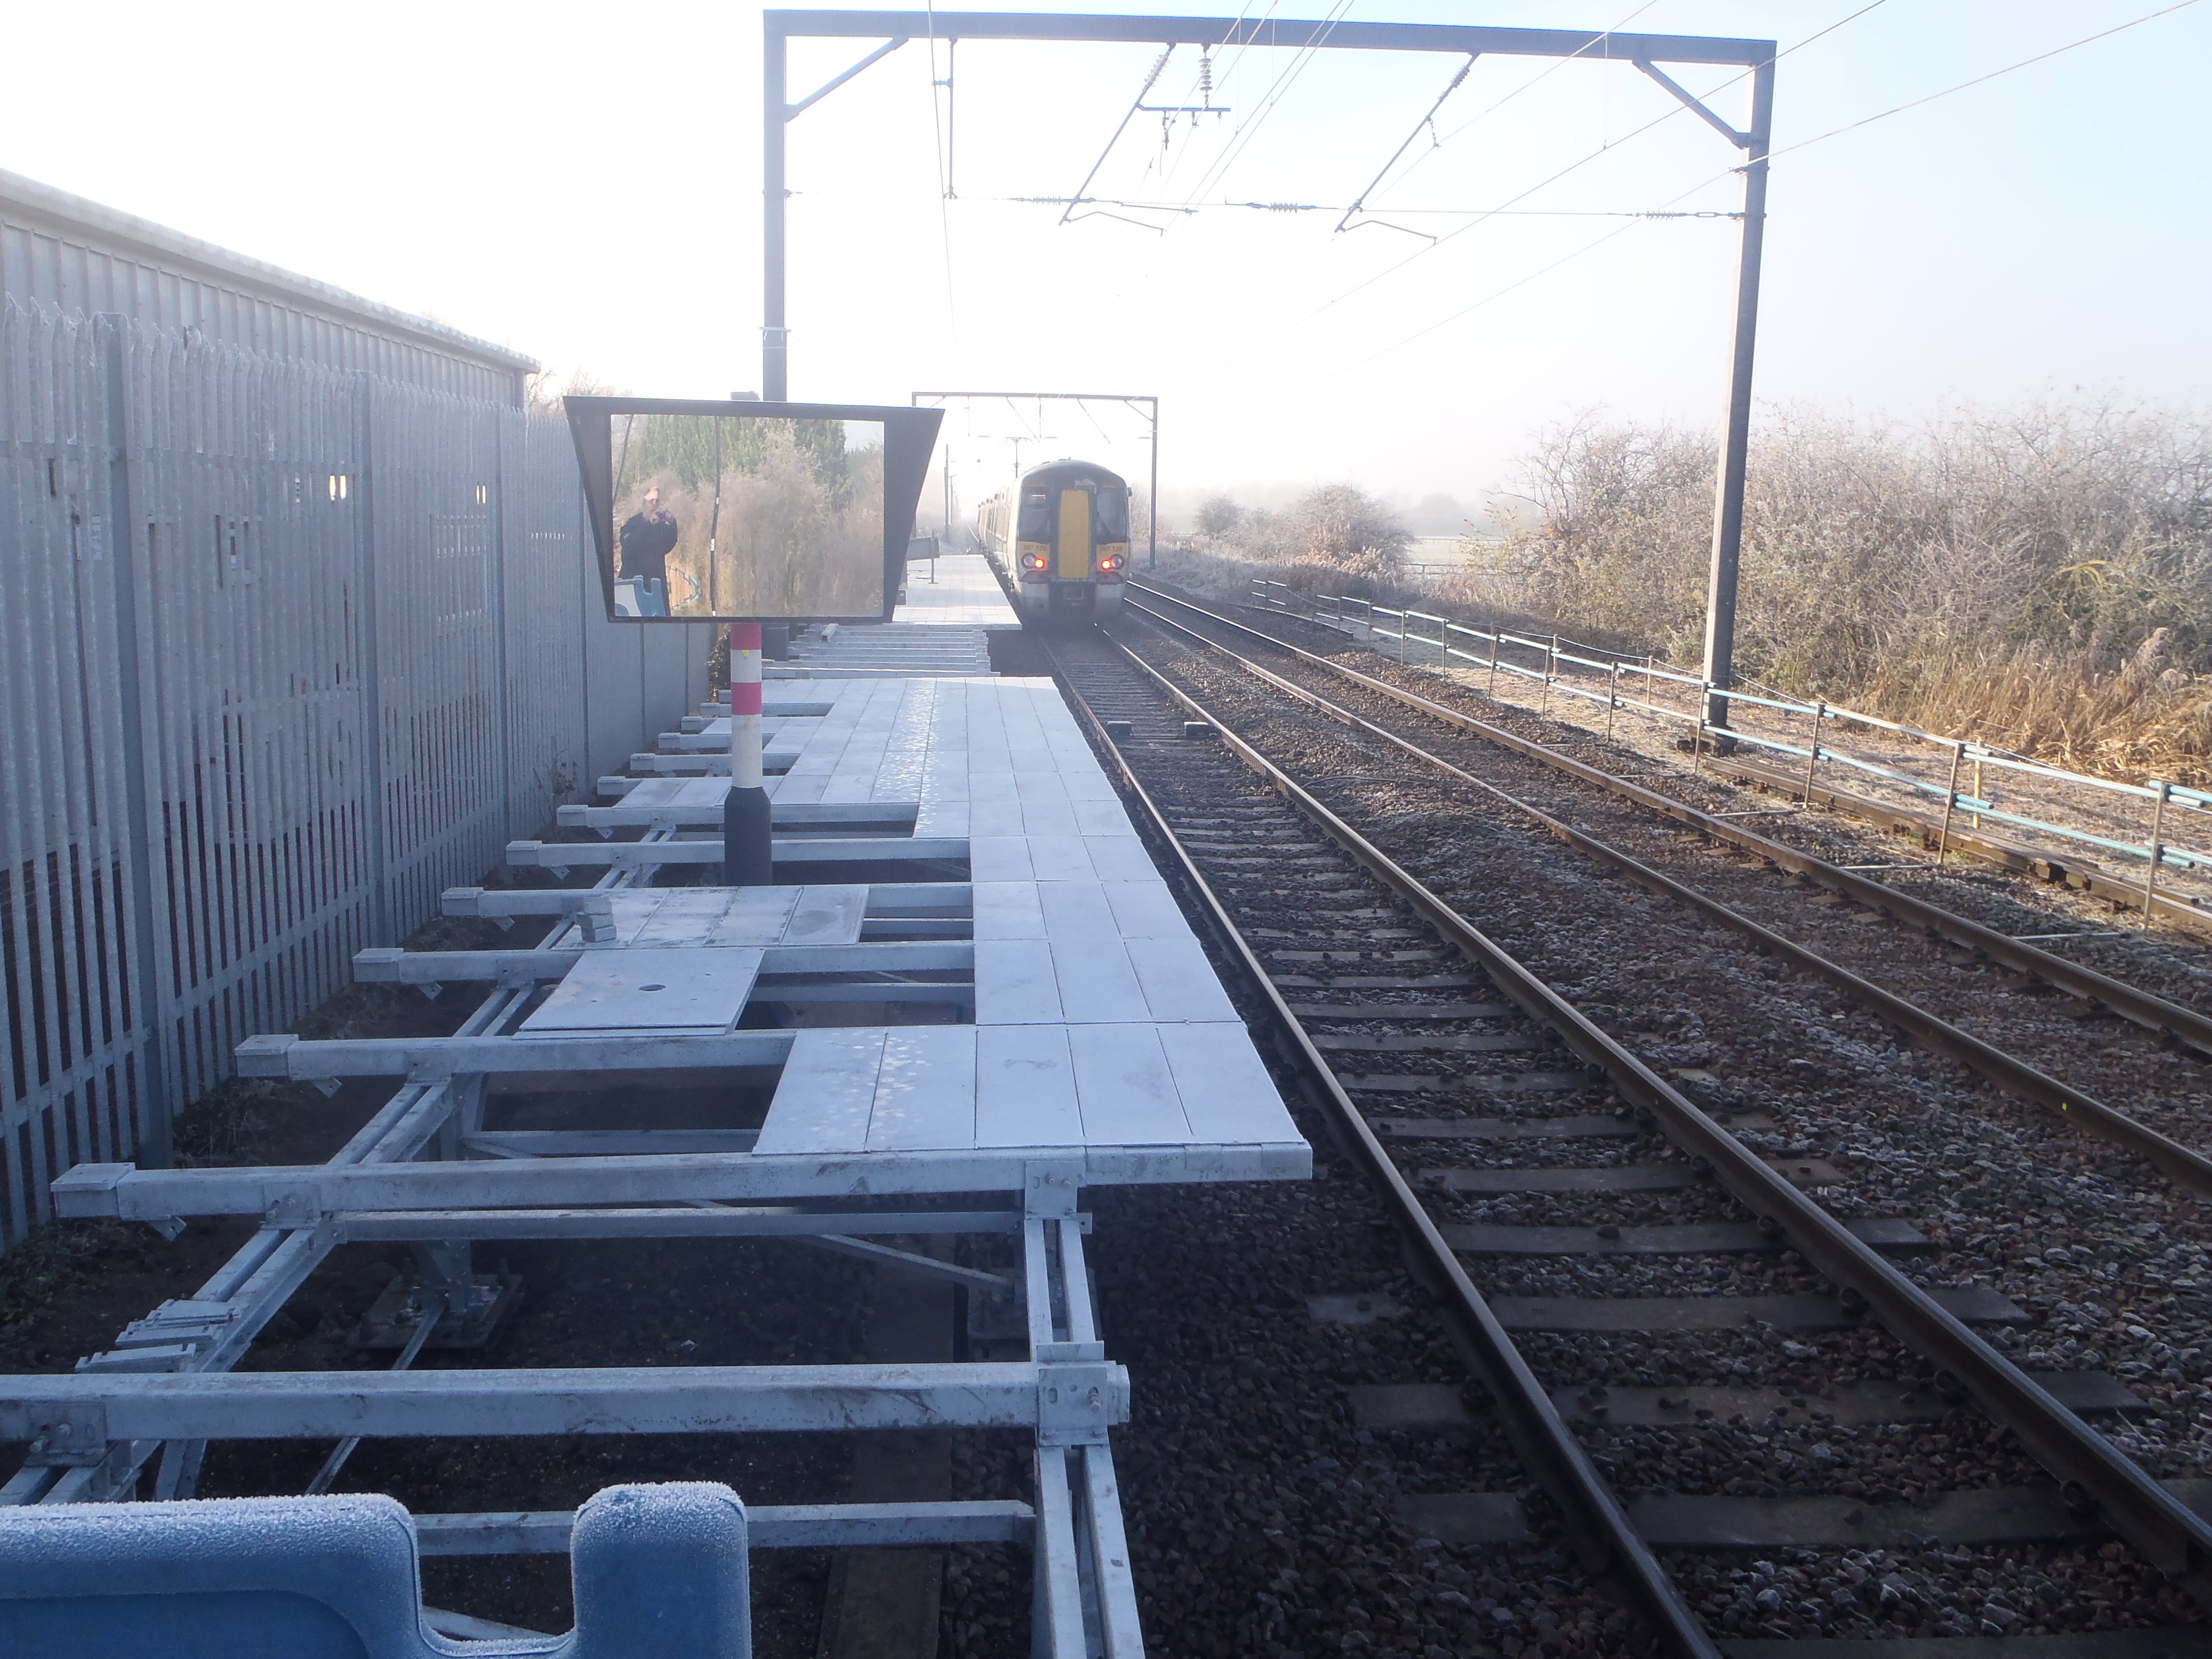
1645 51
969 998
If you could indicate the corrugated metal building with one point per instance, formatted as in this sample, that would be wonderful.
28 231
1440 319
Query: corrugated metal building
297 629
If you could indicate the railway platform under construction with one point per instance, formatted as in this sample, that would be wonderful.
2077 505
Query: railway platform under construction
969 998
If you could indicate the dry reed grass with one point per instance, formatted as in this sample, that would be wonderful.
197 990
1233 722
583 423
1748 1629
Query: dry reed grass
2039 579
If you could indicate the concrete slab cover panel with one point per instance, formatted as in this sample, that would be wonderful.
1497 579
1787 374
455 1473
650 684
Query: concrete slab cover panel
1076 910
1123 1085
1225 1091
1119 858
994 817
1145 910
1062 858
684 918
756 915
1178 981
1008 909
1026 1087
827 915
926 1092
1015 984
826 1094
1098 985
1003 858
650 990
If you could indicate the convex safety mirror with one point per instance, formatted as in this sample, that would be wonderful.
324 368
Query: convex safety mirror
749 512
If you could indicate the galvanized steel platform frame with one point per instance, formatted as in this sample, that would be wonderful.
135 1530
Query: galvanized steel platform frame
995 875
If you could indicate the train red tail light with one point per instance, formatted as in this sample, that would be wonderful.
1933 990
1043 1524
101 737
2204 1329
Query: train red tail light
1109 565
1035 561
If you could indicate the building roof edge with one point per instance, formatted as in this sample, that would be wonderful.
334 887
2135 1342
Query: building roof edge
60 210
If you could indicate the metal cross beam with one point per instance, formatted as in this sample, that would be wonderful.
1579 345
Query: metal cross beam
768 1527
299 1195
1264 32
88 1410
1600 45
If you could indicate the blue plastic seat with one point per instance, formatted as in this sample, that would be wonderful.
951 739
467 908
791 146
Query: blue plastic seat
659 1571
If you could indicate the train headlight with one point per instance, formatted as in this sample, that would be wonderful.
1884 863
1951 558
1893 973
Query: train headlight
1035 561
1109 565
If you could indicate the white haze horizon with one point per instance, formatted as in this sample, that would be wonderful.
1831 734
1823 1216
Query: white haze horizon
591 198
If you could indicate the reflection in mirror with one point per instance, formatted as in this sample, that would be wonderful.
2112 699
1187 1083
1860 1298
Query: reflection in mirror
731 515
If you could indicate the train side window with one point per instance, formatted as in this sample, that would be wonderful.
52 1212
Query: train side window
1036 516
1113 516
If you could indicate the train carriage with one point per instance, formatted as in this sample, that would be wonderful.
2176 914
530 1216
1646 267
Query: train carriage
1063 534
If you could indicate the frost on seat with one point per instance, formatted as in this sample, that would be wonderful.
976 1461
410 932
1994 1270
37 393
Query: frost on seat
659 1570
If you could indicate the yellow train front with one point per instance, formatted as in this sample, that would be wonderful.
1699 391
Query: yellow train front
1063 534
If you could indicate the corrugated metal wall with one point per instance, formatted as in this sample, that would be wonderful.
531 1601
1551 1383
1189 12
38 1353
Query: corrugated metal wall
285 650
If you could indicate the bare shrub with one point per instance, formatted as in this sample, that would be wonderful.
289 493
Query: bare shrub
2038 577
1335 535
1217 515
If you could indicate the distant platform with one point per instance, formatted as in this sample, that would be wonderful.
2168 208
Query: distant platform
939 630
958 589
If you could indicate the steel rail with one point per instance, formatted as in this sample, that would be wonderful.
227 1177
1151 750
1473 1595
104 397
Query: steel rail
1602 1535
2093 1473
2186 1168
2130 1002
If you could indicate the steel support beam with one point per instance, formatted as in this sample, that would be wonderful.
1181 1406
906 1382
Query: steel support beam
430 1058
58 1413
667 1221
768 1527
315 1190
1736 437
386 965
781 28
788 849
1594 44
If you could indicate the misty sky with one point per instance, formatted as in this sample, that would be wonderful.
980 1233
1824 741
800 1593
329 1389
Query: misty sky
583 184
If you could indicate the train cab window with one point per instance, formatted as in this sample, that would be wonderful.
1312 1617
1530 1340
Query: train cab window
1036 516
1111 522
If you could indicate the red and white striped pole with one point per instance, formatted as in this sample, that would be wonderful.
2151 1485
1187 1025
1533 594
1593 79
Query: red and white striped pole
748 857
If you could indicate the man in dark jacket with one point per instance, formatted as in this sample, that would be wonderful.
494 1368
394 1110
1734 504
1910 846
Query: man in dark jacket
648 537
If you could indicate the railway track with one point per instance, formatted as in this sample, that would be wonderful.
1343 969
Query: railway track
1933 944
2164 1009
1754 1413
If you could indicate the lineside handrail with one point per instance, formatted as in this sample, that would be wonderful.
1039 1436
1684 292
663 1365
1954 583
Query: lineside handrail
1431 641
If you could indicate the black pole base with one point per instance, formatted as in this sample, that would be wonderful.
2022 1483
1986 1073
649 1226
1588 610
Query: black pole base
748 856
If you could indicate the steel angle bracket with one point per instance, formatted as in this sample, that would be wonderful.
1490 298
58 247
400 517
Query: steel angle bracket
2173 1538
1079 1400
1051 1189
72 1436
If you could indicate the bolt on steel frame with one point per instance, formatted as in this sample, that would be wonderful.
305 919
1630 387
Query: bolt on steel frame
1645 51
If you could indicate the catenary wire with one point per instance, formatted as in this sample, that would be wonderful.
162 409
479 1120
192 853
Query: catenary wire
1803 144
2086 39
1602 150
1549 70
